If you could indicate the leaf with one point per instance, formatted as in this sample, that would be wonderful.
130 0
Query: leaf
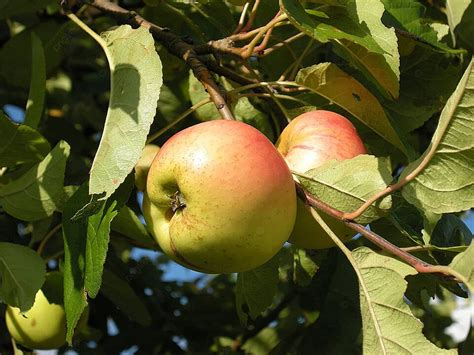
384 68
407 15
360 37
124 297
256 288
327 80
389 327
345 185
22 273
37 193
136 78
20 144
454 12
16 7
305 265
34 107
98 230
423 94
128 224
463 264
74 235
450 235
446 184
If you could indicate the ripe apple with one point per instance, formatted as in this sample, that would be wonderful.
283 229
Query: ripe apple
307 142
43 326
220 198
143 165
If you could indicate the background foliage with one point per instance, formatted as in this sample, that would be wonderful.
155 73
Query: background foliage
77 110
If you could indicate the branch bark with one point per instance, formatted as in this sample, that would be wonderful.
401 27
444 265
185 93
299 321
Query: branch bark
175 45
420 266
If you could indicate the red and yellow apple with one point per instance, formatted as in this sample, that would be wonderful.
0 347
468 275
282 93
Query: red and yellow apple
307 142
143 165
220 198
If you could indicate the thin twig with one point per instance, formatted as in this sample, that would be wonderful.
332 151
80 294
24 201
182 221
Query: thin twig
178 119
249 50
47 237
242 18
281 44
419 265
175 45
252 16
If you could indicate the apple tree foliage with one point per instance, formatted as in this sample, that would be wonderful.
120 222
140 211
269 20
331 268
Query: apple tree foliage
91 87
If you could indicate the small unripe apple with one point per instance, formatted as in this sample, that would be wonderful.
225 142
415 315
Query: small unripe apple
43 326
220 198
307 142
143 165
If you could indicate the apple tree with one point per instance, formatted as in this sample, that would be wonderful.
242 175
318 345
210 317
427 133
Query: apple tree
380 183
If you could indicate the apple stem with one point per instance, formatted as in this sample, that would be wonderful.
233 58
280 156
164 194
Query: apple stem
420 266
178 201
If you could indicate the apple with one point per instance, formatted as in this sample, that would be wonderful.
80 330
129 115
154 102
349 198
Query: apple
43 326
220 198
143 165
307 142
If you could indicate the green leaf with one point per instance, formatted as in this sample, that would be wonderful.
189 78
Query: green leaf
124 297
423 94
22 273
20 144
389 327
327 80
450 235
75 238
17 7
256 289
98 230
454 12
15 66
358 34
34 107
136 78
463 264
305 265
446 184
347 184
128 224
37 193
407 15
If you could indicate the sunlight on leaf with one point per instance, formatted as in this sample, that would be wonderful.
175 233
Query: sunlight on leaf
389 327
22 273
136 78
37 193
346 184
327 80
446 184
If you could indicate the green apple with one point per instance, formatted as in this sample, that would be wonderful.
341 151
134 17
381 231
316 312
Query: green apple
43 326
307 142
220 198
143 165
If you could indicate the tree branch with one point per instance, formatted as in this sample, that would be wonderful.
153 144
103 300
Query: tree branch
175 45
420 266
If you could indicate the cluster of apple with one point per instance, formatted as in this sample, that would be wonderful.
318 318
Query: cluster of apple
219 197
